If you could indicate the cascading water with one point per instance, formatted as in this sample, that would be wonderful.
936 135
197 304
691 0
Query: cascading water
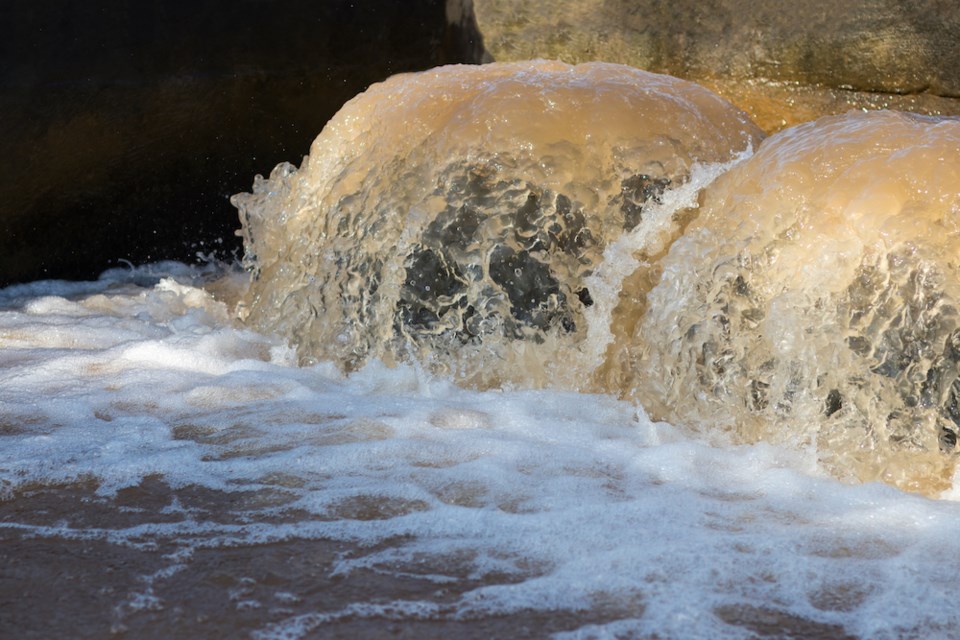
590 231
454 216
815 300
811 302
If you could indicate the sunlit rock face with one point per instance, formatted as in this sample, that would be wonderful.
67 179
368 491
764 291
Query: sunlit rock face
783 61
815 299
456 217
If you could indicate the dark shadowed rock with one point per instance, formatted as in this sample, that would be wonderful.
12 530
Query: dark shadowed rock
127 125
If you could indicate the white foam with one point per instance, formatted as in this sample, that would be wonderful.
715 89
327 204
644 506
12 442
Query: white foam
556 501
619 261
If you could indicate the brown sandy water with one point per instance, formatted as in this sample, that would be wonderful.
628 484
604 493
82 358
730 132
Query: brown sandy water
498 248
157 586
776 106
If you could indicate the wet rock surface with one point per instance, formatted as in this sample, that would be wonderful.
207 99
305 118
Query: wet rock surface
850 51
128 126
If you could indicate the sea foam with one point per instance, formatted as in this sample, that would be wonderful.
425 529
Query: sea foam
539 501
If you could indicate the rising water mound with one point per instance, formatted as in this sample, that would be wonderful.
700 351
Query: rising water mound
457 217
815 299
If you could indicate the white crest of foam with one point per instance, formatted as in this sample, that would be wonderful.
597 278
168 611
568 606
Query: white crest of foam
619 257
552 501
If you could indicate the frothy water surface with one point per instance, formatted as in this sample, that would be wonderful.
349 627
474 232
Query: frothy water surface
410 423
196 480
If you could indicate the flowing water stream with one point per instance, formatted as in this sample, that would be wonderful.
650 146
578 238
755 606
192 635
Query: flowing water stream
520 350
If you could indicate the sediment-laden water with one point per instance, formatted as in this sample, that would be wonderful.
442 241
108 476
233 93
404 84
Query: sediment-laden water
522 350
814 299
460 217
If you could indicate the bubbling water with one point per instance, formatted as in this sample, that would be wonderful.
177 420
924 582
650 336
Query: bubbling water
545 225
815 300
458 217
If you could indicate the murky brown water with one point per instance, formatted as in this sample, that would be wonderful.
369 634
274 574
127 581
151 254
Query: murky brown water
152 586
776 106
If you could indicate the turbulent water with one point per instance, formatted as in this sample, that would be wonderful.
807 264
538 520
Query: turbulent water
812 300
169 473
815 299
460 217
523 351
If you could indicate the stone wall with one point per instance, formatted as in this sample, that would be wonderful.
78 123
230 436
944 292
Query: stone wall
861 53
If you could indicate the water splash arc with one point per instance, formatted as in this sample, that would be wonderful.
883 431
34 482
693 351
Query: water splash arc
815 297
452 217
